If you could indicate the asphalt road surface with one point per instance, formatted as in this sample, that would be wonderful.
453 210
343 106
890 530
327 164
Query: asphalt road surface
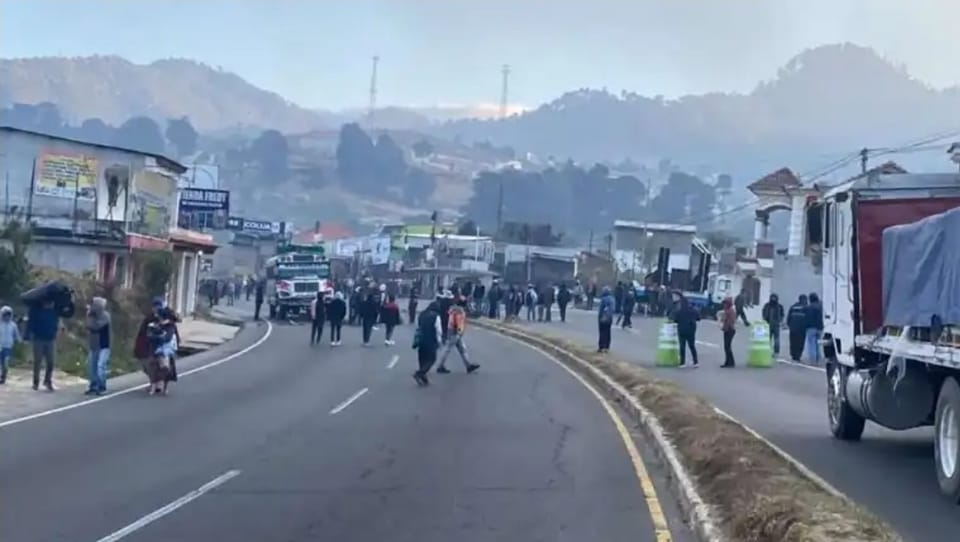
890 472
293 443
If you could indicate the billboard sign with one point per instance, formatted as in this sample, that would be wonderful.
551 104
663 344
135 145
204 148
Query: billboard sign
72 176
203 208
236 223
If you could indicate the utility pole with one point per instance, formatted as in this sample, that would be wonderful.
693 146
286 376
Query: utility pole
505 85
373 90
590 244
864 154
500 209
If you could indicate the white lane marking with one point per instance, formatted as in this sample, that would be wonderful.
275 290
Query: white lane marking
137 387
339 408
159 513
393 361
799 364
711 345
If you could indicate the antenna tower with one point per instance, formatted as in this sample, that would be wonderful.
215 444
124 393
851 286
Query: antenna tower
505 71
373 90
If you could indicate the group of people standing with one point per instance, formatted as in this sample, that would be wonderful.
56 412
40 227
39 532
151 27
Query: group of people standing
372 306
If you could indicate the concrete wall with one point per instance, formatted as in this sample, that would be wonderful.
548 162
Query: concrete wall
77 259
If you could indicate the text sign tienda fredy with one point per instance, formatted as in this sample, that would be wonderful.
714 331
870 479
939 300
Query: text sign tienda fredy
202 199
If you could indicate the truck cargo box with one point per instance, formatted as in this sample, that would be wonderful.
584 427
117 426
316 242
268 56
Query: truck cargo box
921 271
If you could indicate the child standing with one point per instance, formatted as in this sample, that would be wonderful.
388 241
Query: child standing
9 336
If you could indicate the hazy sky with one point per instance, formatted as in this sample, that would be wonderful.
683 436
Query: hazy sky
317 52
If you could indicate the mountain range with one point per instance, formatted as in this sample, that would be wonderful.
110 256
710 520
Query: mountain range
825 102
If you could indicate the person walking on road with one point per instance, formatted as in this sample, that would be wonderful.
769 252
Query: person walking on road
629 299
318 316
773 314
336 312
814 323
728 323
9 337
390 316
426 341
412 304
686 317
369 311
797 327
456 326
42 326
605 312
740 302
563 299
258 299
98 357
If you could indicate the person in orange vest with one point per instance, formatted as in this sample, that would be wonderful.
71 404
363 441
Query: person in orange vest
456 326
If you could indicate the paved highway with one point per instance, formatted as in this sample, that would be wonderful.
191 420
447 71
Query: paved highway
290 443
890 472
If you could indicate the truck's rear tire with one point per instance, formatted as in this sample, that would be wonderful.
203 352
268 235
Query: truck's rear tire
845 423
282 312
946 444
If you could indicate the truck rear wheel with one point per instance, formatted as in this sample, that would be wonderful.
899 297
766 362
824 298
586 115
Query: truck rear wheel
845 423
946 436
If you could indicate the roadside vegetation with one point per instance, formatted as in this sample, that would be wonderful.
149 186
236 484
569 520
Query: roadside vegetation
754 494
126 306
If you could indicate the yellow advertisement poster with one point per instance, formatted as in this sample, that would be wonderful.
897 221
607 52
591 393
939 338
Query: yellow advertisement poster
66 176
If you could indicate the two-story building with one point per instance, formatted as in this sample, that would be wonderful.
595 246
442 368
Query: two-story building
93 207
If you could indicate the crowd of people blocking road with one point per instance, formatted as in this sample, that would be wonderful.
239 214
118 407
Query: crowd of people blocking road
803 321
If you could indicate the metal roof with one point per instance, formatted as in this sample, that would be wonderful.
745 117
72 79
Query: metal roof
177 167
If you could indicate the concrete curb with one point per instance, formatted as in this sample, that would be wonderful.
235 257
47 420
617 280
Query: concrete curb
699 514
220 318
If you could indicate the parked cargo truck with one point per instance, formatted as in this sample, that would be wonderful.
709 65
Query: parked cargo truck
891 304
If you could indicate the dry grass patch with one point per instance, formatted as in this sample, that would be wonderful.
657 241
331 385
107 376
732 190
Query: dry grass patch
756 494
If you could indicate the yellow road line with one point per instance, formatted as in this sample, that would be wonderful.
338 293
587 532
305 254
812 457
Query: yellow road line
660 527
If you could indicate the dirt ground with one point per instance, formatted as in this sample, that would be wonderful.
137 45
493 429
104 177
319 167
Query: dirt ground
755 493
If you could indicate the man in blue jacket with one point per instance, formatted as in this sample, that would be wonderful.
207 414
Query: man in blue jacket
42 325
605 320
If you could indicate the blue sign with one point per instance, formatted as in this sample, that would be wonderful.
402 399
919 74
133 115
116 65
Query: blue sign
202 208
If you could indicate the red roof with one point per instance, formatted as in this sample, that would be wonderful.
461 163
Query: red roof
327 232
781 178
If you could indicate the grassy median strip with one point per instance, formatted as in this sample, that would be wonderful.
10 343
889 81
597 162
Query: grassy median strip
753 493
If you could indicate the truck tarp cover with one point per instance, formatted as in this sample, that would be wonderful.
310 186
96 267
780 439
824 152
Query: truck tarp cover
921 271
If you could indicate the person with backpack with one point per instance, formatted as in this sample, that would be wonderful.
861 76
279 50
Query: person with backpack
456 326
390 316
531 303
426 341
605 313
